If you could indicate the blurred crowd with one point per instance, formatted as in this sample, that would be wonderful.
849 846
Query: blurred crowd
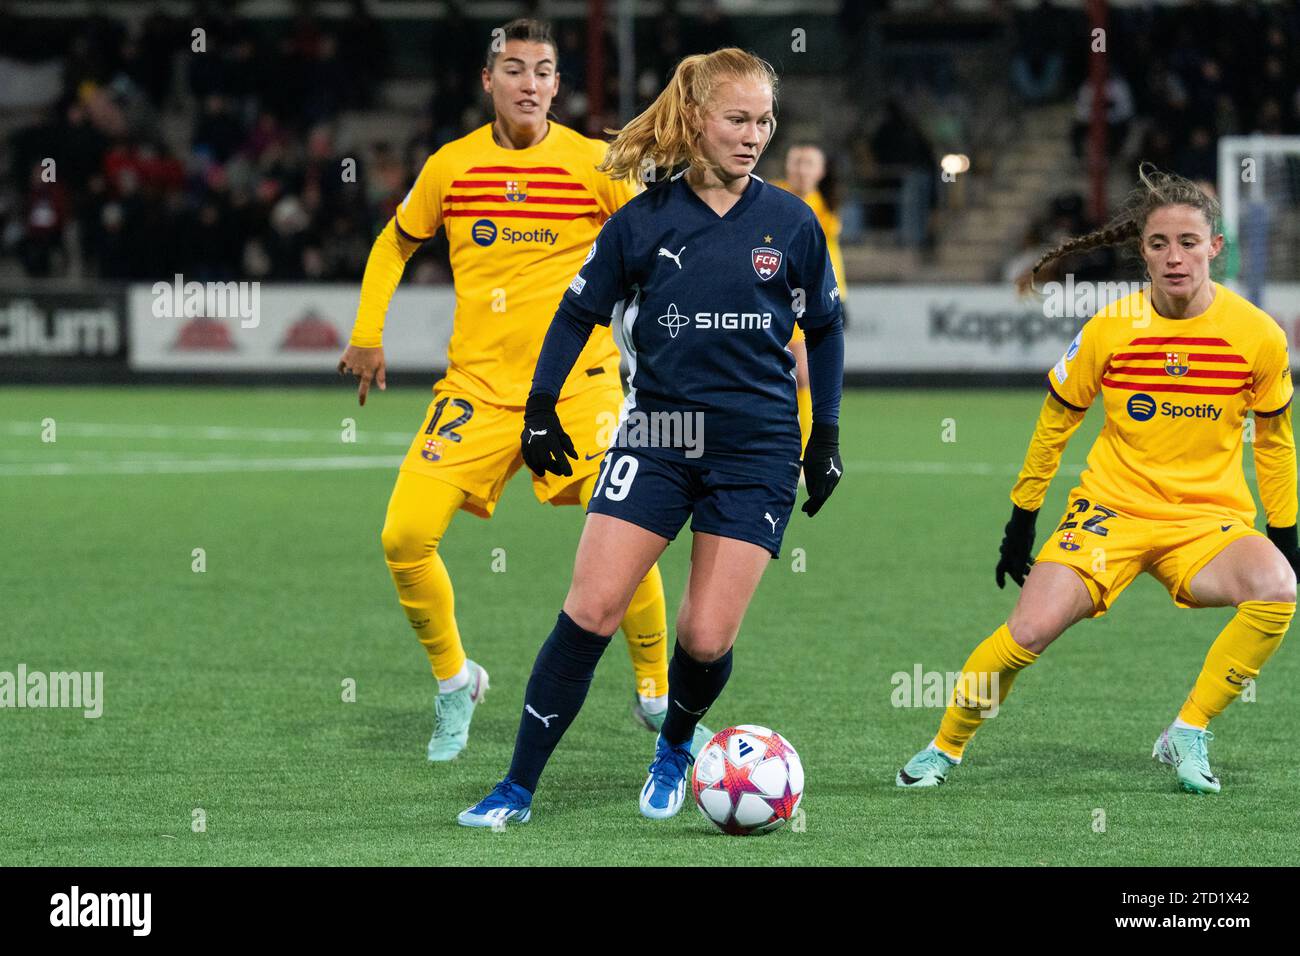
262 187
233 163
1179 78
260 190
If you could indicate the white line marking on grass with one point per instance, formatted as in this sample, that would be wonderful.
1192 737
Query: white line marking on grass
201 466
206 432
98 465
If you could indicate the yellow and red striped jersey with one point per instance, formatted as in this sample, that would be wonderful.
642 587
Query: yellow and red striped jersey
519 223
1176 394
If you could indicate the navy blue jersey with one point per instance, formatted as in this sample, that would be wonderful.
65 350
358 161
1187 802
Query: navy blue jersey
704 306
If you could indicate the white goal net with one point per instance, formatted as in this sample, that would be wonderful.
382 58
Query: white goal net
1259 189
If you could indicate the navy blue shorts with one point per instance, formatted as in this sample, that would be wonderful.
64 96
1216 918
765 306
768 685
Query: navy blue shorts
660 494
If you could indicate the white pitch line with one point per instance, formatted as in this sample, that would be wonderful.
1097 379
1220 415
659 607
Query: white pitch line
190 466
206 432
202 466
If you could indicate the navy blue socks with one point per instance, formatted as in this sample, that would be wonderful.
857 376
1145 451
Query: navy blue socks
561 676
692 689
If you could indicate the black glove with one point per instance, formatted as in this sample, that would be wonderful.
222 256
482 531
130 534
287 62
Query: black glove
1285 541
822 468
543 441
1017 545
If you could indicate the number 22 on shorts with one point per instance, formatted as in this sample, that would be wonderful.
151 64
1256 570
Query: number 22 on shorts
1093 524
620 471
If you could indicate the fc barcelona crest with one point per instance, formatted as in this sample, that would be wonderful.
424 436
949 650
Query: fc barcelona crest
1068 543
432 450
766 261
1176 364
516 190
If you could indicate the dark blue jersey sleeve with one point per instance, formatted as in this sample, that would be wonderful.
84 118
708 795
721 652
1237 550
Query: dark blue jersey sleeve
812 275
826 369
601 283
565 339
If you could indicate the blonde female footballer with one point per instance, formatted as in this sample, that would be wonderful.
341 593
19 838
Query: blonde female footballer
706 274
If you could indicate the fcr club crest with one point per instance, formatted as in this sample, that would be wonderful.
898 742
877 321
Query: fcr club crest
766 261
1176 364
516 190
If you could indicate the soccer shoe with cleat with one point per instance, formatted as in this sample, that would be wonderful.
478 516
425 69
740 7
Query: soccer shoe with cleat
654 722
665 788
1184 750
929 768
454 712
507 803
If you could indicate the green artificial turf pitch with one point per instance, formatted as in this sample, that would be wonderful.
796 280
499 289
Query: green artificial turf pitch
223 689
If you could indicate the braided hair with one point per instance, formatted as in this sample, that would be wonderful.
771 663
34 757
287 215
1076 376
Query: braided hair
1157 189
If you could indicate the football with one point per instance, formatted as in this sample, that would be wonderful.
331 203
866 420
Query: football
747 780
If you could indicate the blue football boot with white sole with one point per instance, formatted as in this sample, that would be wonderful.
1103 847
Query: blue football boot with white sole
507 803
665 787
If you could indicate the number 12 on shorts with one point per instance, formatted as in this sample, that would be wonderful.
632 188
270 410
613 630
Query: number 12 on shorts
620 471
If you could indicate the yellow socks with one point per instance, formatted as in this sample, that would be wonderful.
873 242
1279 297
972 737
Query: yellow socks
418 513
645 626
1236 656
988 674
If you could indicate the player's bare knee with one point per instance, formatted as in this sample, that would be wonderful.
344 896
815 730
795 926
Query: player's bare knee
1277 585
1032 632
704 643
596 613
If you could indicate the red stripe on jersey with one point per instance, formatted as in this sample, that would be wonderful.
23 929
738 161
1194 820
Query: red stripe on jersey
501 184
556 170
509 214
1172 339
1190 373
1171 387
1192 357
554 200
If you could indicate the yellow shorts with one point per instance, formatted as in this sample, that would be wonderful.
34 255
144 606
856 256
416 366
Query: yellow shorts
474 446
798 334
1108 550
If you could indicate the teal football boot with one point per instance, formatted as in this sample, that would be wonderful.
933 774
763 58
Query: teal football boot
929 768
454 711
1184 750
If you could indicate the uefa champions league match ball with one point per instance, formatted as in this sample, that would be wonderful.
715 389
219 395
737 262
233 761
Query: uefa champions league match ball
747 780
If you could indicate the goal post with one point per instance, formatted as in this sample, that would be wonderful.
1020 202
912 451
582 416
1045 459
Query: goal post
1259 191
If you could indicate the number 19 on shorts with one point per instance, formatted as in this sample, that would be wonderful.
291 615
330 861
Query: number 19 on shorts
616 474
